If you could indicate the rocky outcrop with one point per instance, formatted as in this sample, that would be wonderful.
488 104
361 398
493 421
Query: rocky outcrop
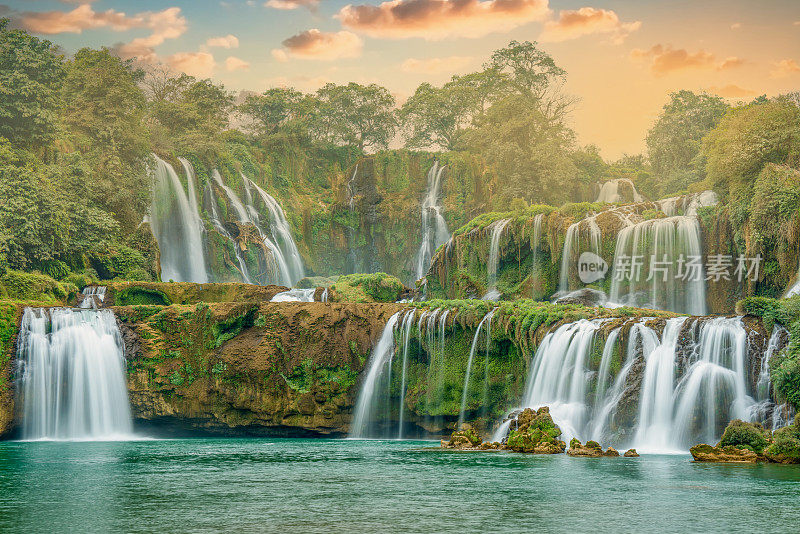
466 439
592 449
166 293
728 454
534 431
248 368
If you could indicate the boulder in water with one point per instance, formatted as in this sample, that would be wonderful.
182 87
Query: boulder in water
631 453
535 432
611 452
592 449
463 440
729 454
785 448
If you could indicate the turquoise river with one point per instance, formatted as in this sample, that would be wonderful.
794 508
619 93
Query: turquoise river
302 485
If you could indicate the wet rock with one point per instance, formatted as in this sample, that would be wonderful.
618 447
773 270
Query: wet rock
463 440
535 432
592 449
729 454
631 453
611 452
785 447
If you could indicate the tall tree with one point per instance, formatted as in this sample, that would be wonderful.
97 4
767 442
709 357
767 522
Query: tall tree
361 116
272 110
674 141
31 71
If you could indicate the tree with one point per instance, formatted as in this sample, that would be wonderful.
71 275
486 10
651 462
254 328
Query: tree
356 115
31 72
104 111
272 110
674 141
747 139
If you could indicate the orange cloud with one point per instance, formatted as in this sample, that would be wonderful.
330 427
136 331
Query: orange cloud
435 65
81 18
292 4
229 41
315 44
572 24
198 64
736 26
665 59
784 68
731 91
439 19
234 63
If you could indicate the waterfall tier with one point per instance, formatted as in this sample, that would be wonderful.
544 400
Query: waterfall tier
434 228
73 376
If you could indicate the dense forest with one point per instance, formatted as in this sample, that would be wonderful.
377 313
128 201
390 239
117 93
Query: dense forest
77 132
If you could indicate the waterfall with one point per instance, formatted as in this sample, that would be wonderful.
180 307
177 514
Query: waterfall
93 297
609 191
282 232
378 370
668 248
487 320
177 226
408 323
494 256
687 204
582 236
667 394
295 295
73 375
210 202
434 228
281 272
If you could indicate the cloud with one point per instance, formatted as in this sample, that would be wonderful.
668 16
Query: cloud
229 41
435 65
664 59
315 44
81 18
198 64
784 68
292 4
234 63
731 91
736 25
572 24
439 19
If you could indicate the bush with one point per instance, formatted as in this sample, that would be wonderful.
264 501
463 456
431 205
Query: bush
740 434
785 448
33 287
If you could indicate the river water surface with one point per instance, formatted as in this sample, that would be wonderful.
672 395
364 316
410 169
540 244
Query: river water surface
264 485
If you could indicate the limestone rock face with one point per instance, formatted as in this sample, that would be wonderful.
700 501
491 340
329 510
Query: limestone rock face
248 368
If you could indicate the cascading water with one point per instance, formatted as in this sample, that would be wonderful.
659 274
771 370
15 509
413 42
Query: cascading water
177 226
434 228
487 320
494 257
376 382
210 202
73 377
408 323
668 249
687 204
582 236
682 392
92 297
295 295
282 273
282 232
609 191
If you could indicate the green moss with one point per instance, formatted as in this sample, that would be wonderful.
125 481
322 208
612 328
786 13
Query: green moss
744 435
33 287
377 287
134 296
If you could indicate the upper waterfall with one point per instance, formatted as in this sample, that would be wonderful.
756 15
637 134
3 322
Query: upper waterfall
177 226
434 228
73 376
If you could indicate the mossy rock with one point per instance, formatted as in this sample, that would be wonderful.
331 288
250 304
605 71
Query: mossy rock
463 439
35 287
707 453
785 447
535 432
741 434
377 287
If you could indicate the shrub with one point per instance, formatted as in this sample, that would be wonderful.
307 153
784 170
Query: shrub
744 435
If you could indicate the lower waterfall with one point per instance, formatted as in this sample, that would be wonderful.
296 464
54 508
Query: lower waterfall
73 376
494 257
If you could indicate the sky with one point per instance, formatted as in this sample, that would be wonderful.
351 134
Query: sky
622 57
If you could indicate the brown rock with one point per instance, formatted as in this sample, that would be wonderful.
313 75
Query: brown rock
611 452
729 454
631 453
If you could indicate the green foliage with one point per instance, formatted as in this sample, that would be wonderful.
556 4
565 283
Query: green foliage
355 115
785 447
376 287
741 434
137 296
674 142
30 72
33 287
